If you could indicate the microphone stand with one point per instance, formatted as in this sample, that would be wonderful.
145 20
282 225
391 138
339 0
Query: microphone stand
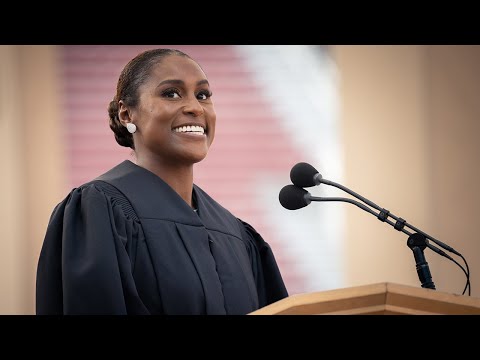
305 175
418 242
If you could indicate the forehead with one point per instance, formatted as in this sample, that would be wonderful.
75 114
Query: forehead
178 68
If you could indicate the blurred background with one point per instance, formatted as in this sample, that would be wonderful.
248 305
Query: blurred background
397 124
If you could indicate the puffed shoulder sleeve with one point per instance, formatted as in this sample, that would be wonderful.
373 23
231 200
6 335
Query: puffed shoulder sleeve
268 279
85 264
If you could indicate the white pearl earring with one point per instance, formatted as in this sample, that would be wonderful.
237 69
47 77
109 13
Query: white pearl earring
131 128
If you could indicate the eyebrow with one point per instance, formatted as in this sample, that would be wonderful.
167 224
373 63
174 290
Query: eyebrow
181 82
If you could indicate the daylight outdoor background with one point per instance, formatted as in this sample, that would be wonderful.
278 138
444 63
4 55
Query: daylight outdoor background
397 124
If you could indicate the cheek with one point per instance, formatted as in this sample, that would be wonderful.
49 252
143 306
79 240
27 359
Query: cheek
154 115
212 122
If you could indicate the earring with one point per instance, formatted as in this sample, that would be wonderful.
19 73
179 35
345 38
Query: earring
131 128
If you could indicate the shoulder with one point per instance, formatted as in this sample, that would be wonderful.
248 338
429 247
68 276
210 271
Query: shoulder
94 188
113 196
100 185
250 232
103 186
97 195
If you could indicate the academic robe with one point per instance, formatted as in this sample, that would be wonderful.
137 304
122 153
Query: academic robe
127 243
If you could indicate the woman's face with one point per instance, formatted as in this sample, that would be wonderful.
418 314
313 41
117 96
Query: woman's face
175 117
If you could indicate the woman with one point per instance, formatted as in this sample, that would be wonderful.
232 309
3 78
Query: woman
143 238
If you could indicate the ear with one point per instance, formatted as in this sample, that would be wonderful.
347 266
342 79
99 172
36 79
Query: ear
123 113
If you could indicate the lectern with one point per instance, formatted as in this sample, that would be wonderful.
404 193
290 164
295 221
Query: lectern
375 299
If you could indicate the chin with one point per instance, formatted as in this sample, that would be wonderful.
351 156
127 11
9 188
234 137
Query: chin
195 158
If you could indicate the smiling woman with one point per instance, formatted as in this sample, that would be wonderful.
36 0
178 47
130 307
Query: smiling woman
143 238
167 108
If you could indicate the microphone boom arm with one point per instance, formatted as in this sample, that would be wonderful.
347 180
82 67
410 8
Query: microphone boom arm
309 198
384 214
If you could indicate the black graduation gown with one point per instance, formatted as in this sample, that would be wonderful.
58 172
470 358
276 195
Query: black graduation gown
126 243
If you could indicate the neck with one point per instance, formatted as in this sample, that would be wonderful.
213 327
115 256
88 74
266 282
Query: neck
178 177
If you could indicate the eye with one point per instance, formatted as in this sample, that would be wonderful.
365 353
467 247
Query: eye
204 95
171 93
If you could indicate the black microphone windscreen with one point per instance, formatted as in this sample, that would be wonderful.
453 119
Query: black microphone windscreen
302 174
292 197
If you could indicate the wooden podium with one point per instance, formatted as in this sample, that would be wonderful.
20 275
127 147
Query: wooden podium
376 299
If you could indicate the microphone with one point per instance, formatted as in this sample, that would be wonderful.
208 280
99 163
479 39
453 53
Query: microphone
293 197
305 175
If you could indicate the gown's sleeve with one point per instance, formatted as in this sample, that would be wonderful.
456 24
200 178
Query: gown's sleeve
85 266
268 279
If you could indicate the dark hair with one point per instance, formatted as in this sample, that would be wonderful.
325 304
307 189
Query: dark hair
133 75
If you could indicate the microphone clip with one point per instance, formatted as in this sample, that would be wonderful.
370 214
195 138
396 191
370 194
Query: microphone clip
383 215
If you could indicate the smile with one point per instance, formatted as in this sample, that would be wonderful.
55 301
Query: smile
193 129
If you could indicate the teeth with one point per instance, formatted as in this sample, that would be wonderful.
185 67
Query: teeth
191 129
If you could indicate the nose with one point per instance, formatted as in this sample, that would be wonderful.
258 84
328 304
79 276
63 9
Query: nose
193 107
